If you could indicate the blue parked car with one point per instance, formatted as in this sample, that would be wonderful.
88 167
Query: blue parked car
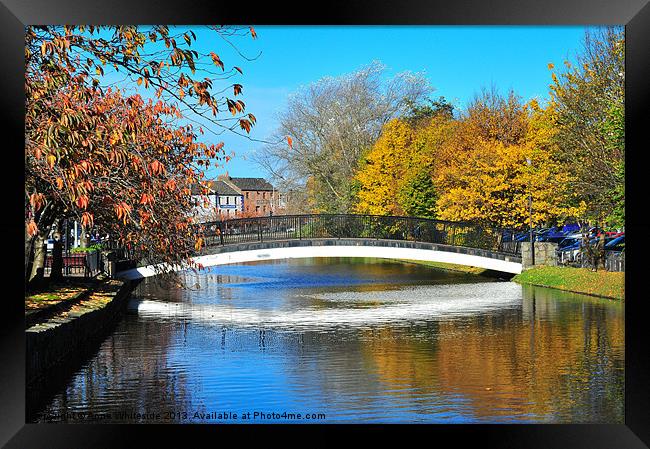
552 235
523 237
617 244
571 228
568 242
557 234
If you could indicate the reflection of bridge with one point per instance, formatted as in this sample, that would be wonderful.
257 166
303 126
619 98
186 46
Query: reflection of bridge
301 236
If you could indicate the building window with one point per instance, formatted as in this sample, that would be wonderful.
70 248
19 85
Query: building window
263 195
227 200
257 209
246 195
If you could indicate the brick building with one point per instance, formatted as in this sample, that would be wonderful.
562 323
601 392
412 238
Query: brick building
259 196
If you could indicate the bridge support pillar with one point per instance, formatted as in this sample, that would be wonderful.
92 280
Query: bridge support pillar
545 254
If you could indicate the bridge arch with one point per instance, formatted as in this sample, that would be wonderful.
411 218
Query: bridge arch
337 235
336 247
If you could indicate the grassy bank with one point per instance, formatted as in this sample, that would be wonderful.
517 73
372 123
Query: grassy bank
448 266
577 280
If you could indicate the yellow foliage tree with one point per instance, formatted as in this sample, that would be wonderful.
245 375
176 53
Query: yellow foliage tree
379 177
395 173
492 181
474 168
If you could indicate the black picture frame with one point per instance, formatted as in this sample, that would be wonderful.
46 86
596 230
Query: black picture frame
634 14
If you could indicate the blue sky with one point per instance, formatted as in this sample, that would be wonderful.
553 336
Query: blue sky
457 61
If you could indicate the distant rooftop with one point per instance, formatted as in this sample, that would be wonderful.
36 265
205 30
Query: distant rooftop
196 189
221 188
248 183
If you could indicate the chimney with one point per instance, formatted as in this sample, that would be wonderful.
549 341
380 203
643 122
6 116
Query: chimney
226 178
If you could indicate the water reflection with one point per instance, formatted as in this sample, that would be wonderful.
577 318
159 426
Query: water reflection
359 342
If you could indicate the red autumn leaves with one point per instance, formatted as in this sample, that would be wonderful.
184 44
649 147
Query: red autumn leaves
123 211
122 163
157 168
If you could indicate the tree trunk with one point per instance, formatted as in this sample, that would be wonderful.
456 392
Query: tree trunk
29 248
85 237
37 251
40 253
57 253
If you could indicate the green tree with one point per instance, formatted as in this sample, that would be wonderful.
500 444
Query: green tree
420 112
614 130
588 97
418 196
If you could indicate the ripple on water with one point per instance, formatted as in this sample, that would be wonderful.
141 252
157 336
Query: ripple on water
393 306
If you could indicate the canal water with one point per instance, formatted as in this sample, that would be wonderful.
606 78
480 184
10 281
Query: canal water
352 340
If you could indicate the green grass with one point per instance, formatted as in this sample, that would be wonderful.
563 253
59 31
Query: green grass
577 280
88 249
45 297
53 295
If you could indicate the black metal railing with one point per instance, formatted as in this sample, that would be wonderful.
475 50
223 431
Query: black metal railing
86 264
120 252
612 260
317 226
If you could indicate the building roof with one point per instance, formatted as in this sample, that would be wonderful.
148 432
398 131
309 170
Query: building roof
252 183
221 188
196 189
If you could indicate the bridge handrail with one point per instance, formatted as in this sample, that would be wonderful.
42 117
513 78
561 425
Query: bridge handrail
266 217
433 220
418 229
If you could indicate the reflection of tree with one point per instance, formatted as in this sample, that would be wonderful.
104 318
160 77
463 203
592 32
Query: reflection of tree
379 272
560 369
405 360
558 359
197 287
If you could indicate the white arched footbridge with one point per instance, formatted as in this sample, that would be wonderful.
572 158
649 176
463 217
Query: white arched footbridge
304 236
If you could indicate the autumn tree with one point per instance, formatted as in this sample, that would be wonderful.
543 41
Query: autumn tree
332 123
472 167
380 172
588 96
485 163
396 176
122 160
492 181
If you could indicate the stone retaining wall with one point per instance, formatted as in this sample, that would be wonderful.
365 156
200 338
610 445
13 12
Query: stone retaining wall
545 254
51 345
